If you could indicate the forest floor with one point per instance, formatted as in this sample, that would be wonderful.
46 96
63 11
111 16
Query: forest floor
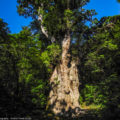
88 112
91 112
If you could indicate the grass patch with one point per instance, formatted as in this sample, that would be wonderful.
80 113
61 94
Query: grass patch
91 106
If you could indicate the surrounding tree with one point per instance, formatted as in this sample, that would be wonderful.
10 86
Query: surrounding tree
23 79
100 67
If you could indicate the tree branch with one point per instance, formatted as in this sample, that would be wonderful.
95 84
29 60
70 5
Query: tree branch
45 32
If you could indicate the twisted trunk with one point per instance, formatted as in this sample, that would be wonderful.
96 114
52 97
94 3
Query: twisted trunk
64 82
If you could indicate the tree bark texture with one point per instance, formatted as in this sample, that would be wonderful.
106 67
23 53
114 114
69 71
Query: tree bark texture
64 94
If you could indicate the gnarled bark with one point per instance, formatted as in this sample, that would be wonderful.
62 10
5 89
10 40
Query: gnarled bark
64 82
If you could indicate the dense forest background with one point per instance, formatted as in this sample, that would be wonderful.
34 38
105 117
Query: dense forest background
27 60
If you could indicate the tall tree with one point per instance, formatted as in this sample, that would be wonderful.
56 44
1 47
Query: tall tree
60 21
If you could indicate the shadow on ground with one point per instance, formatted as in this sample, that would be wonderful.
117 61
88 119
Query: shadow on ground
71 115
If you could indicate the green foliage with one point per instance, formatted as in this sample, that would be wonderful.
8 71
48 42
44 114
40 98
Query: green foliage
100 67
92 94
57 16
109 45
23 75
51 56
4 30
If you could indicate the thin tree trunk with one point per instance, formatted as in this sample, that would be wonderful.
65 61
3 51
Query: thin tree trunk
64 94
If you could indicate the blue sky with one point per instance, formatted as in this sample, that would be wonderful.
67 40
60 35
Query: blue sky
8 12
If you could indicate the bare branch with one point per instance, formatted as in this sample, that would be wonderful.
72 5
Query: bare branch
42 27
44 31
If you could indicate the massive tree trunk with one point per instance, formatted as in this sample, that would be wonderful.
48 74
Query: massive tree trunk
64 94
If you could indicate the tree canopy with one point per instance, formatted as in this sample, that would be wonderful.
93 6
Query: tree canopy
57 16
